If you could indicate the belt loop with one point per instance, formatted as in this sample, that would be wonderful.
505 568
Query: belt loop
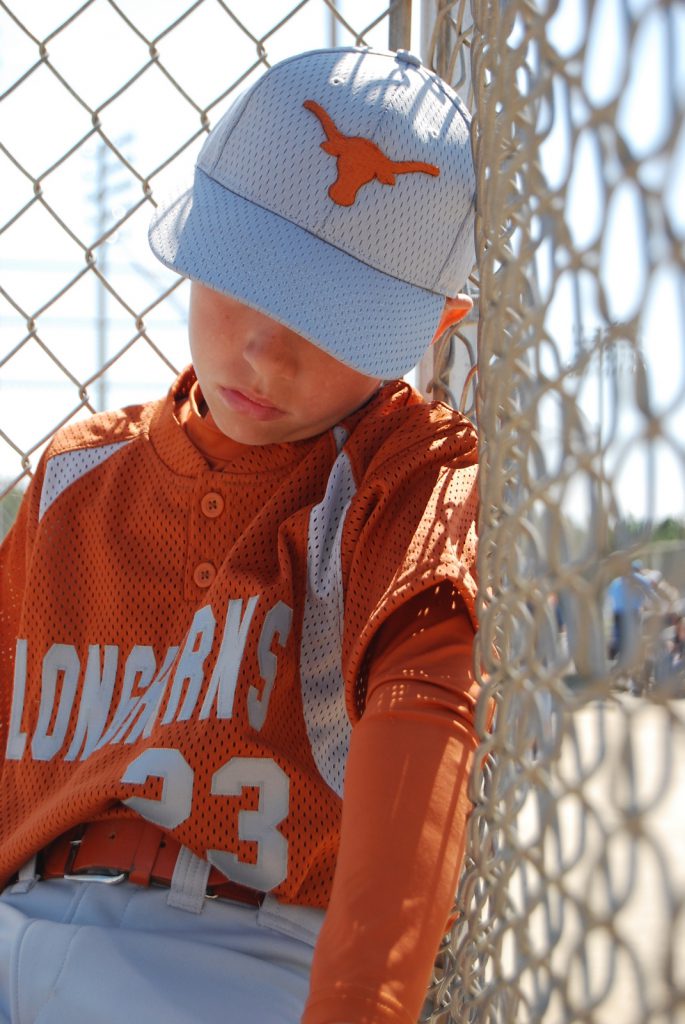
189 882
26 878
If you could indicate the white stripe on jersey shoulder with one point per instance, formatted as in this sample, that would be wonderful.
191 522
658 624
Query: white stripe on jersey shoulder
323 686
65 469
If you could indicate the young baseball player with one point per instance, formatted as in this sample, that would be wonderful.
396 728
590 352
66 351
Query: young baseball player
236 624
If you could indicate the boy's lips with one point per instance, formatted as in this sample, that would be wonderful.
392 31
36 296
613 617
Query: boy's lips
249 404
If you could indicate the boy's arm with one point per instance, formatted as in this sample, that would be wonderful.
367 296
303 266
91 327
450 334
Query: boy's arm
14 559
403 825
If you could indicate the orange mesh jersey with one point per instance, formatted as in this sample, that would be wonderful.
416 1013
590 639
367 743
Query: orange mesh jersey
191 641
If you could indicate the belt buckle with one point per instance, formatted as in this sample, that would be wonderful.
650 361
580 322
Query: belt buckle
91 876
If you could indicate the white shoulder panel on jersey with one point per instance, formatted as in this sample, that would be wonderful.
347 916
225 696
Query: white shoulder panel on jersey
65 469
323 686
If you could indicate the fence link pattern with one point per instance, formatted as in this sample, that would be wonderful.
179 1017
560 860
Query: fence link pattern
571 906
103 106
572 903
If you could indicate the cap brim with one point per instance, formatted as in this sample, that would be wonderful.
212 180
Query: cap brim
361 316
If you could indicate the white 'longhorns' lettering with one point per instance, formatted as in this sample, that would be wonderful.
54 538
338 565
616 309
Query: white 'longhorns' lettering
144 685
225 675
16 739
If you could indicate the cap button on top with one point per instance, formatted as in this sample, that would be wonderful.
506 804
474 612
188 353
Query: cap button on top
409 58
212 505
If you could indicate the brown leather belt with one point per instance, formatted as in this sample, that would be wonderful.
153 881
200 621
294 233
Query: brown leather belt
127 848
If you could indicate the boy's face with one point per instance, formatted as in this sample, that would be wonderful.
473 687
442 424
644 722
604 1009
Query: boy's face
262 382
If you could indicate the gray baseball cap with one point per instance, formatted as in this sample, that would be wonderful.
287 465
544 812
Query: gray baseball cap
336 195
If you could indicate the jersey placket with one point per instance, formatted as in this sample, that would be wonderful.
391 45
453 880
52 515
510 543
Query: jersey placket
208 535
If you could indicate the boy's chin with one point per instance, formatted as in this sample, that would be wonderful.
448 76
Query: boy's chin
245 431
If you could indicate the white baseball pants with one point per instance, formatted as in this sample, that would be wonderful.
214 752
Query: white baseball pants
83 951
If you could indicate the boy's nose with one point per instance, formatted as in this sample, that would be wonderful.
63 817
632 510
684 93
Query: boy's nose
269 351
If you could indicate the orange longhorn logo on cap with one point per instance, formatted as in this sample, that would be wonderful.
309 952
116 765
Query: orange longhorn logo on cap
359 160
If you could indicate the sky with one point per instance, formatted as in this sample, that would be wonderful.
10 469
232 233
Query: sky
40 120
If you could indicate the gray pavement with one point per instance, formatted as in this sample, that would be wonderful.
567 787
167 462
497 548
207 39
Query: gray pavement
608 859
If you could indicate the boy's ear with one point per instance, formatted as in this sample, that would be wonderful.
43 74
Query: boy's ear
455 310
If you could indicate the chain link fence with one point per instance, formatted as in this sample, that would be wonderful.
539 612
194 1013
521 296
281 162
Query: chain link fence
572 902
571 906
103 106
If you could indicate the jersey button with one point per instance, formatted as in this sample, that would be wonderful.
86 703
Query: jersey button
204 574
212 505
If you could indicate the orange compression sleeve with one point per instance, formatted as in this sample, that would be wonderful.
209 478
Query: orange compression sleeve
403 823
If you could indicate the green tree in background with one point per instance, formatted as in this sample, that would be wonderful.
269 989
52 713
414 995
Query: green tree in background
9 505
670 529
642 531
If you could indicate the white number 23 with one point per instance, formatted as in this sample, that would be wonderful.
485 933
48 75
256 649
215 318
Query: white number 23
260 825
